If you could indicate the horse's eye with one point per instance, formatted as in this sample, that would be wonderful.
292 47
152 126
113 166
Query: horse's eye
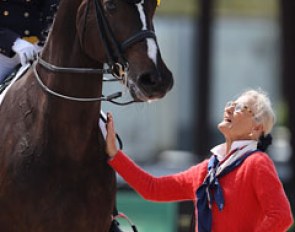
110 6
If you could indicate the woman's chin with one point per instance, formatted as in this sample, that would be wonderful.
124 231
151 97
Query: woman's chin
223 127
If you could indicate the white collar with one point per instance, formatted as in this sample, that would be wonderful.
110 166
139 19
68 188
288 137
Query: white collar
220 151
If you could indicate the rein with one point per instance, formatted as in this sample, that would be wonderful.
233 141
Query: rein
56 94
118 66
109 98
58 69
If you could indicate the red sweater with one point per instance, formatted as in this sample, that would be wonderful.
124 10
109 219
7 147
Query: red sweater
254 197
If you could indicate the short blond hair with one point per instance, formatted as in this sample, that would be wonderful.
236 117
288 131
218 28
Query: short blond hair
263 111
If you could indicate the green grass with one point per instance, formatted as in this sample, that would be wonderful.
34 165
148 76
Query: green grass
183 7
248 8
221 7
292 229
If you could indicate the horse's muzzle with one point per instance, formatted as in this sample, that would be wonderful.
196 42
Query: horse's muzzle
152 86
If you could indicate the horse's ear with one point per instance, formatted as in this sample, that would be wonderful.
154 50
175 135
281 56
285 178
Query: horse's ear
80 19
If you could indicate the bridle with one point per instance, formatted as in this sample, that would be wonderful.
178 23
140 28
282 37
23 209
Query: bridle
117 65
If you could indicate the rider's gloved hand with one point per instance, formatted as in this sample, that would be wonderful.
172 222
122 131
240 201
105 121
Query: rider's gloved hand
26 51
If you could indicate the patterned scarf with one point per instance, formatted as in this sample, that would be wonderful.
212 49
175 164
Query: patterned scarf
211 191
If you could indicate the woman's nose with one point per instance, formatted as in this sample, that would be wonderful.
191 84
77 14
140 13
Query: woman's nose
229 109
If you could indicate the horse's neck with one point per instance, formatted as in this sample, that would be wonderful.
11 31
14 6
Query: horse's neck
63 49
63 46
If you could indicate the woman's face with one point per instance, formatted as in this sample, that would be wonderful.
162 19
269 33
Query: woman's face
238 120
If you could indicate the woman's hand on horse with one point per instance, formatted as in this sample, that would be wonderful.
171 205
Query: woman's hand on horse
111 147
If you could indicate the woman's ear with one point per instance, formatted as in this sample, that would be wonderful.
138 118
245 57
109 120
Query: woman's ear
257 130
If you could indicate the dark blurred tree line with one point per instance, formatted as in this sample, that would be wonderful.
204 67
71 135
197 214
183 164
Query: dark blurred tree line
287 9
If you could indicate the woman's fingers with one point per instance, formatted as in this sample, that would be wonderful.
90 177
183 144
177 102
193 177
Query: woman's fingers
111 147
110 123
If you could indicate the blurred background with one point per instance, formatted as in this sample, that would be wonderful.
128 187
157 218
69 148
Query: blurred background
216 49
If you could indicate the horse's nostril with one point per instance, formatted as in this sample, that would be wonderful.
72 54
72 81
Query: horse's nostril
148 79
153 84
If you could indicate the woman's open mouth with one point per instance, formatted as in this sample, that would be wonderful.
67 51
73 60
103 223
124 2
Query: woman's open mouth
227 120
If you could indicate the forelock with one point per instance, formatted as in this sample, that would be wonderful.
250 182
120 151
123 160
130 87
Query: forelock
133 1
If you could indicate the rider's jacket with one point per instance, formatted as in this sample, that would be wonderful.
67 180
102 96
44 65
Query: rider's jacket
25 19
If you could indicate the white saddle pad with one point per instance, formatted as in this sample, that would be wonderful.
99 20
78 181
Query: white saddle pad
19 73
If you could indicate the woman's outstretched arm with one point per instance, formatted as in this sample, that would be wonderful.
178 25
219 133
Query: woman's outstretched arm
180 186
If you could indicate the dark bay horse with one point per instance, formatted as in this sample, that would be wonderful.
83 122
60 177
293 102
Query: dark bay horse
54 175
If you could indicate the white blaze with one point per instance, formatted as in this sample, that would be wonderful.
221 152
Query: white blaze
151 43
152 50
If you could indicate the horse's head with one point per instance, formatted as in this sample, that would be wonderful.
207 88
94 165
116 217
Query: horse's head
122 31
